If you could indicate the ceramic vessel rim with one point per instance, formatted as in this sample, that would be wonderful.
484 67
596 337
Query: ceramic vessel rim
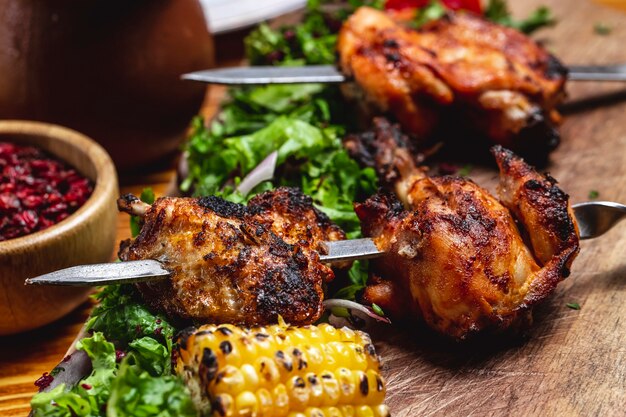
105 181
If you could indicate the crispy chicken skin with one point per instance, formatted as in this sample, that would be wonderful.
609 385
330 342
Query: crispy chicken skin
291 215
460 73
456 257
231 263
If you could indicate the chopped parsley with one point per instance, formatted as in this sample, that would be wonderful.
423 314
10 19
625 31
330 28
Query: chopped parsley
376 308
573 306
602 29
593 194
465 171
498 12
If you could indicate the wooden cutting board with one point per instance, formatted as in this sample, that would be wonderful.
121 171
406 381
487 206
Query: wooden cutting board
572 362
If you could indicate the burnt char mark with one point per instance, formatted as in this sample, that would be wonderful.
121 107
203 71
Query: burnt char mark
222 207
553 202
378 210
292 199
286 290
555 69
125 203
123 252
391 43
208 365
537 138
377 148
184 335
471 218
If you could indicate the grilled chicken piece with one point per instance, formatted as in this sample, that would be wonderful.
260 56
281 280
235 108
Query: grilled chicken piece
231 263
454 76
456 257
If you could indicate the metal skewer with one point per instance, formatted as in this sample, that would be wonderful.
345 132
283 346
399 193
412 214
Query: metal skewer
328 74
594 219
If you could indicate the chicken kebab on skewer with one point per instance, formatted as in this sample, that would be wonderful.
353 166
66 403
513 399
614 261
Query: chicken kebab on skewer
457 257
459 76
231 263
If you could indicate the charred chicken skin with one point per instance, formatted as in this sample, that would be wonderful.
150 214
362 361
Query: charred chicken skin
456 257
231 263
460 73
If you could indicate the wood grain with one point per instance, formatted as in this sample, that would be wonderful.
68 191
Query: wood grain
571 362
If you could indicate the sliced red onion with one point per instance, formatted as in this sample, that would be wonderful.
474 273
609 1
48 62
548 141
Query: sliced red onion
262 172
355 308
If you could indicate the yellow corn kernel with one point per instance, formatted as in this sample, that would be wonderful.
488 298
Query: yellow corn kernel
266 405
331 388
381 410
376 387
281 371
332 412
229 381
281 400
364 411
298 393
315 358
268 372
328 332
342 353
314 412
224 405
347 385
250 376
246 404
316 389
348 411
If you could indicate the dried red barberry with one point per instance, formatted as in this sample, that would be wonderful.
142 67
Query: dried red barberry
46 379
36 190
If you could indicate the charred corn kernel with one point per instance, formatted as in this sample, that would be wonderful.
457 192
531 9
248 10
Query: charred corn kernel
347 385
316 389
331 388
315 358
376 387
298 393
224 405
268 372
229 381
282 371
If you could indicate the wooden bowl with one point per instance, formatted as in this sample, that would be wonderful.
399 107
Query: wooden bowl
87 236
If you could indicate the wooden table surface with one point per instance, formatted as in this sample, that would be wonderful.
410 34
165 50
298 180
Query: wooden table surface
573 362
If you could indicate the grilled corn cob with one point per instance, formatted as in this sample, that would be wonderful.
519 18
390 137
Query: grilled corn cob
281 371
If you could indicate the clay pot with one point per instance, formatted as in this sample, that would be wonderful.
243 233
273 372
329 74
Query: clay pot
107 68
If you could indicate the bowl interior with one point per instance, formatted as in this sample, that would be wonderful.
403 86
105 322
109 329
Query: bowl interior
83 154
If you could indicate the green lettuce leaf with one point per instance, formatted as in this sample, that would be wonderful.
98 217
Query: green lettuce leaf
137 392
123 318
153 356
88 398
